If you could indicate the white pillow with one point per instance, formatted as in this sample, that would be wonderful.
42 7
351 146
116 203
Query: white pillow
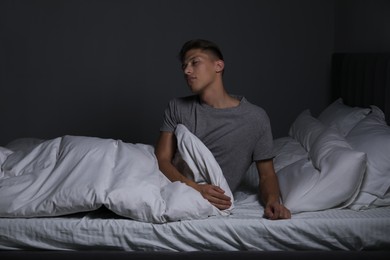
29 157
296 182
342 168
330 178
201 162
372 136
326 144
287 150
24 144
18 150
306 129
343 117
365 200
4 153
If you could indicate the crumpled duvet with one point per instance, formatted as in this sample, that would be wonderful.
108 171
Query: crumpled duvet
73 174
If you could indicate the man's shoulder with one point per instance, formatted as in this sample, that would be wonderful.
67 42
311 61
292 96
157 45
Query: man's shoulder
253 107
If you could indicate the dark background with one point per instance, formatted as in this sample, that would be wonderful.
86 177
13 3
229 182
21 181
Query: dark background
107 68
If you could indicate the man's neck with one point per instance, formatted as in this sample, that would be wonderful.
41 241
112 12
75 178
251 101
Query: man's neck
218 99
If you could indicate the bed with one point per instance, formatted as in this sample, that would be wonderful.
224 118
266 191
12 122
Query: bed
334 172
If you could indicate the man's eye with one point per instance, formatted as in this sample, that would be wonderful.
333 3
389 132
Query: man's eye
191 63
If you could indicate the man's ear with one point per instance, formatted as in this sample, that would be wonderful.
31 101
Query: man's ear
219 66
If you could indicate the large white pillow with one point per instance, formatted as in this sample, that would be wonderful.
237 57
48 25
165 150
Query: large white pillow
372 136
341 116
287 150
305 129
330 178
296 182
342 168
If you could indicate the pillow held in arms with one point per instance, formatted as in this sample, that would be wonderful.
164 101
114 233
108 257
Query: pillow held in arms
201 161
372 136
342 116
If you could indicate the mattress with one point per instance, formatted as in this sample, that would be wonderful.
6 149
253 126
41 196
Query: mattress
244 229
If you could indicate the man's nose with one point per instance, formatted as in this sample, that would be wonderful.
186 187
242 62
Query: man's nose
187 70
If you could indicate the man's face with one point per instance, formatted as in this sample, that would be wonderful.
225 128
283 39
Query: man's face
200 69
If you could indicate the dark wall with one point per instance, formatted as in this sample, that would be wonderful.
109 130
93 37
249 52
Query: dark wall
362 26
108 68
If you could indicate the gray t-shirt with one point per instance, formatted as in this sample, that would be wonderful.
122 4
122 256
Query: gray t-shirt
236 136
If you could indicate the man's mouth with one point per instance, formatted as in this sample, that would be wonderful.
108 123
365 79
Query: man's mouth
190 79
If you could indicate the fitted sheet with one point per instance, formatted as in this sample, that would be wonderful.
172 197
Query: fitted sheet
243 229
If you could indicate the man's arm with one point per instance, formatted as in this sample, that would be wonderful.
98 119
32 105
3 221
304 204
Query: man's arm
165 150
269 191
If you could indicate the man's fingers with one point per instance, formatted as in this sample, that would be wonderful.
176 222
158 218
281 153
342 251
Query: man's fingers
221 206
268 213
217 189
221 201
215 195
278 212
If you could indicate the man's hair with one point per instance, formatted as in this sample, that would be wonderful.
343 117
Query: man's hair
201 44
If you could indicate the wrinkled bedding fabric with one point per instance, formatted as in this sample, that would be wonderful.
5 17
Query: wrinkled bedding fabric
72 174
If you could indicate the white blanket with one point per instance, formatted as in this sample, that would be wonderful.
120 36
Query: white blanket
72 174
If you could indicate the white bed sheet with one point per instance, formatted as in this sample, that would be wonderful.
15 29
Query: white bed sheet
244 229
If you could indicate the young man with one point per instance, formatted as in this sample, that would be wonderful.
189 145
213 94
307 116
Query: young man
234 130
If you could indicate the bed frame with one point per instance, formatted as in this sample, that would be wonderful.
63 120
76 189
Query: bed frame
241 255
361 79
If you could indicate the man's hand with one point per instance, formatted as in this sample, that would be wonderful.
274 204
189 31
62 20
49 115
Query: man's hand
215 195
276 211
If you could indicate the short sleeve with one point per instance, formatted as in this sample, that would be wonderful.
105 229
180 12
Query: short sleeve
264 145
170 119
